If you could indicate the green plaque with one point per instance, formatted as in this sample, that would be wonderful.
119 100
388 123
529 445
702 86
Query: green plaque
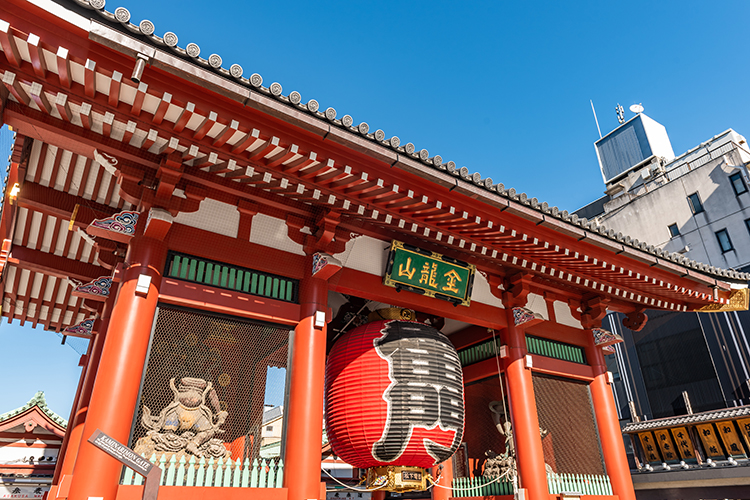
429 273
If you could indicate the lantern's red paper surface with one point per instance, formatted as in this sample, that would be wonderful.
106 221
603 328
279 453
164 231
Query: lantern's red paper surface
394 395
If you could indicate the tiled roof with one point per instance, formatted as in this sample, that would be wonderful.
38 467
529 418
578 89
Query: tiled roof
147 31
272 414
37 400
696 418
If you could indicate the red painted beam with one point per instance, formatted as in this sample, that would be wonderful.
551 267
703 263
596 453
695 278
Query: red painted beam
46 128
481 370
371 287
49 201
560 368
47 263
189 240
218 300
560 333
469 336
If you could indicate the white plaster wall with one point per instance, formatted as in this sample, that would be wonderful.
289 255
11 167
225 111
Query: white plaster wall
21 454
563 316
272 232
482 292
365 254
538 305
213 216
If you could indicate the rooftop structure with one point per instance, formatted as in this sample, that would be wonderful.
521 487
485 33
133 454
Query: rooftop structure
205 231
31 440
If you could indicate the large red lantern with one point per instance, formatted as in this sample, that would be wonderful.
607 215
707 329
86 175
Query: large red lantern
394 396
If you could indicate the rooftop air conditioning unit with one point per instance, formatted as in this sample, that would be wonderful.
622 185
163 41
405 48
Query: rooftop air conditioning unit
631 145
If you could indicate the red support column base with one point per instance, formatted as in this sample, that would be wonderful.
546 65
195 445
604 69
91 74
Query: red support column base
115 391
528 442
306 390
610 434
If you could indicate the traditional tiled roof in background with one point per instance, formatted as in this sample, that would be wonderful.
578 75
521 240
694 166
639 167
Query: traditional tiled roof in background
146 30
695 418
37 400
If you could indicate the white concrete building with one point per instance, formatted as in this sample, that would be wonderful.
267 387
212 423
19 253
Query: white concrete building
697 204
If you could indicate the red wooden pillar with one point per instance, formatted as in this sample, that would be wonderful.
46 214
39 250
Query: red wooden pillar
610 433
304 419
73 411
115 390
444 480
69 451
528 442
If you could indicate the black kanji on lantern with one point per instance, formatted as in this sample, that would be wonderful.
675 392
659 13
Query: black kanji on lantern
426 389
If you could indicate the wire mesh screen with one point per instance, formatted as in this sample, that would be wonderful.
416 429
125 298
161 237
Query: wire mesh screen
484 407
214 387
569 437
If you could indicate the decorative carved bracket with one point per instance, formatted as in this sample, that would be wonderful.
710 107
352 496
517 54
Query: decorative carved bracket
120 227
603 338
168 175
145 188
325 235
522 315
324 266
593 308
109 253
83 329
516 289
635 320
97 289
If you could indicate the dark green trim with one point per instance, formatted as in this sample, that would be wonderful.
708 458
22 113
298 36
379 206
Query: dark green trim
229 277
534 345
554 349
477 353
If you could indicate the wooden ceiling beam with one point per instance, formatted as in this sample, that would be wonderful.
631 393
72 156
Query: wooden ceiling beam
53 265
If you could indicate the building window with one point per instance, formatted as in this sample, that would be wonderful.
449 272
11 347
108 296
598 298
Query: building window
269 427
695 203
738 183
724 242
674 230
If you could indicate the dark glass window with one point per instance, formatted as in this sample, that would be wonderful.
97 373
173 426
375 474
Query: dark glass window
738 183
724 242
674 230
695 203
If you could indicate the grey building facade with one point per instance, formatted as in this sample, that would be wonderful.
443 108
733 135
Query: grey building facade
696 204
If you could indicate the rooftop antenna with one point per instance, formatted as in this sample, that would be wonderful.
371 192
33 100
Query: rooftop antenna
596 119
636 108
620 113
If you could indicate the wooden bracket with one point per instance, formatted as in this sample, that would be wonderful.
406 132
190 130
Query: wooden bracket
635 320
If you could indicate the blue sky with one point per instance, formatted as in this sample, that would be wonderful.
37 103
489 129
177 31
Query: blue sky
500 87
